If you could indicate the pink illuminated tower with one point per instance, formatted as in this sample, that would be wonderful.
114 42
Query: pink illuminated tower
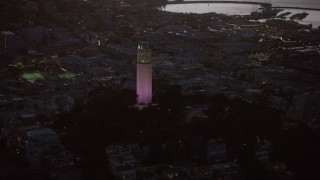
144 75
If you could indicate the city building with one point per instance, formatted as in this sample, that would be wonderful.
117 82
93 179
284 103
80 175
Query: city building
306 106
35 142
123 166
7 42
227 170
216 150
262 153
144 75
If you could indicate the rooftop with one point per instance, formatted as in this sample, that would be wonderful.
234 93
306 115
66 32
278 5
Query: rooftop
7 33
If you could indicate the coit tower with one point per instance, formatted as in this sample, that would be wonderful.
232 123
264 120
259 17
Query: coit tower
144 74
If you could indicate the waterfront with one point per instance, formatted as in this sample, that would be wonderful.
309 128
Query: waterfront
242 9
313 17
287 3
220 8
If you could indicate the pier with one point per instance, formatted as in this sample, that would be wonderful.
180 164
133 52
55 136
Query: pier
301 8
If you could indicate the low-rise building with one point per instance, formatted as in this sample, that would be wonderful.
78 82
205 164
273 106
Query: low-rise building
216 150
227 170
35 142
